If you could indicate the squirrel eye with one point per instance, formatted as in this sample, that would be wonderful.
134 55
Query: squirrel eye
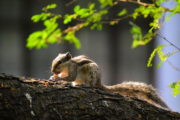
59 62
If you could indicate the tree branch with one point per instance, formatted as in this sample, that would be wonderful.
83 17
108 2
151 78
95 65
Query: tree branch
22 97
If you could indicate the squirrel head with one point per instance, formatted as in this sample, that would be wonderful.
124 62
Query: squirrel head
60 62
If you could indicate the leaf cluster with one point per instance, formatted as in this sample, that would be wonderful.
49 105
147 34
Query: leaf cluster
52 34
175 86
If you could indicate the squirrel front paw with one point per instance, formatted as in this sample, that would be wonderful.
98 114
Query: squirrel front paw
53 78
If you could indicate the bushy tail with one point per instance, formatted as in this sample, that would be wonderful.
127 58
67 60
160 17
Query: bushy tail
138 90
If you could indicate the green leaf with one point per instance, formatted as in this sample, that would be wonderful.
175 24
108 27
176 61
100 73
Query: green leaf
169 16
159 65
105 3
76 8
92 6
123 12
112 22
52 6
151 58
86 24
33 39
47 23
77 43
103 12
160 53
135 28
68 18
93 26
172 85
135 14
99 27
36 18
135 43
54 36
70 36
175 88
34 35
44 35
85 15
137 35
42 16
158 2
82 11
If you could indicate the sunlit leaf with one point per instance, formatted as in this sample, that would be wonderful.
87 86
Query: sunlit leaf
47 23
99 27
92 6
175 88
112 22
35 18
52 6
76 8
160 54
93 26
123 12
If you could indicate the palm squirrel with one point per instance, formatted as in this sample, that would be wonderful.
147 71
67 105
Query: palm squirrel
82 70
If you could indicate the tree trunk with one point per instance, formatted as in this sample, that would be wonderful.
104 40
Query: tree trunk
23 98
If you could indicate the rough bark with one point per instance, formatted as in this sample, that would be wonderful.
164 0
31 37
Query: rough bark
23 98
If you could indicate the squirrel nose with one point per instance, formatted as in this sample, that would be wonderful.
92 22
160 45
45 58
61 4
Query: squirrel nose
52 70
55 71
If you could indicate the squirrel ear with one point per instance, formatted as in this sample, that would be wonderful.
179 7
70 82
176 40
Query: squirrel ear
68 56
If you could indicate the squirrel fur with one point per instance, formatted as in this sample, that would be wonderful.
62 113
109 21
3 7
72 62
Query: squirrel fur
82 70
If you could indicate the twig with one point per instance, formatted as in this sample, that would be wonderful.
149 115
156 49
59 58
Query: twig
71 2
173 66
168 42
73 28
137 2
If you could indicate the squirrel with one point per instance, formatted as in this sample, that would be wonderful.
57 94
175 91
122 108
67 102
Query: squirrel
82 70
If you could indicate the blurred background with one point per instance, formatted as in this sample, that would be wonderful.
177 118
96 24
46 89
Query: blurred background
109 48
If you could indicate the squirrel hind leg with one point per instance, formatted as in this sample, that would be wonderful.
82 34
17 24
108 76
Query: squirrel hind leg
91 74
95 75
